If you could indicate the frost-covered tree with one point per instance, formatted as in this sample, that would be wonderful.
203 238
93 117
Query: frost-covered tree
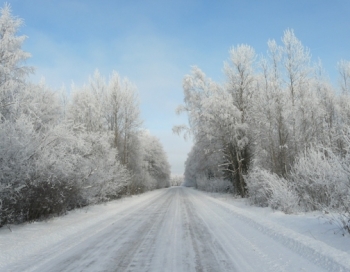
276 125
108 107
114 110
131 121
198 91
240 78
219 115
59 152
268 120
344 72
296 63
13 72
216 123
241 85
87 105
155 162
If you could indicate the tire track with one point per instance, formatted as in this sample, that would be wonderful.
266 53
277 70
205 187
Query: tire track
68 246
180 229
308 250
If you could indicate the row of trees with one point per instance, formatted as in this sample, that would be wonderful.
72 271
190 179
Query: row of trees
276 128
58 152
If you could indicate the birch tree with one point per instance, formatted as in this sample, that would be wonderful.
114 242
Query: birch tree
344 76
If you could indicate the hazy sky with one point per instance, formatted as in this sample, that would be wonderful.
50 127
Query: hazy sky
155 43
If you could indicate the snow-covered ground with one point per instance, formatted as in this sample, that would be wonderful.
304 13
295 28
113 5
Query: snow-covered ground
175 229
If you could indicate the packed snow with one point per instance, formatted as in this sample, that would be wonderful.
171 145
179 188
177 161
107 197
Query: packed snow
175 229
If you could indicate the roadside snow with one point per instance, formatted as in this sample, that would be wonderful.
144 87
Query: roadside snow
176 229
307 234
314 225
31 239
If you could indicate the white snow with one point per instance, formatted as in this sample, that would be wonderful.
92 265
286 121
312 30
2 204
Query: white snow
176 229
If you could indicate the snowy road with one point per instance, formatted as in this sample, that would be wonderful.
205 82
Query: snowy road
177 229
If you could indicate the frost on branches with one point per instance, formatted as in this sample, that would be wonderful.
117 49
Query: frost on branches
59 152
276 130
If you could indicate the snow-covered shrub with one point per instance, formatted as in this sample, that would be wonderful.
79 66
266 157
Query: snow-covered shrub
19 145
258 187
104 177
50 173
54 170
320 179
214 185
268 189
39 173
55 184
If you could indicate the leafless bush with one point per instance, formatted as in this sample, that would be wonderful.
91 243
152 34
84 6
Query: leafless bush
268 189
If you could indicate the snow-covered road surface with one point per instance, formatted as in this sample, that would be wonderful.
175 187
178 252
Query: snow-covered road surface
174 229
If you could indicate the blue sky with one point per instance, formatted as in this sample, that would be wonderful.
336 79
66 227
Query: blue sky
155 43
